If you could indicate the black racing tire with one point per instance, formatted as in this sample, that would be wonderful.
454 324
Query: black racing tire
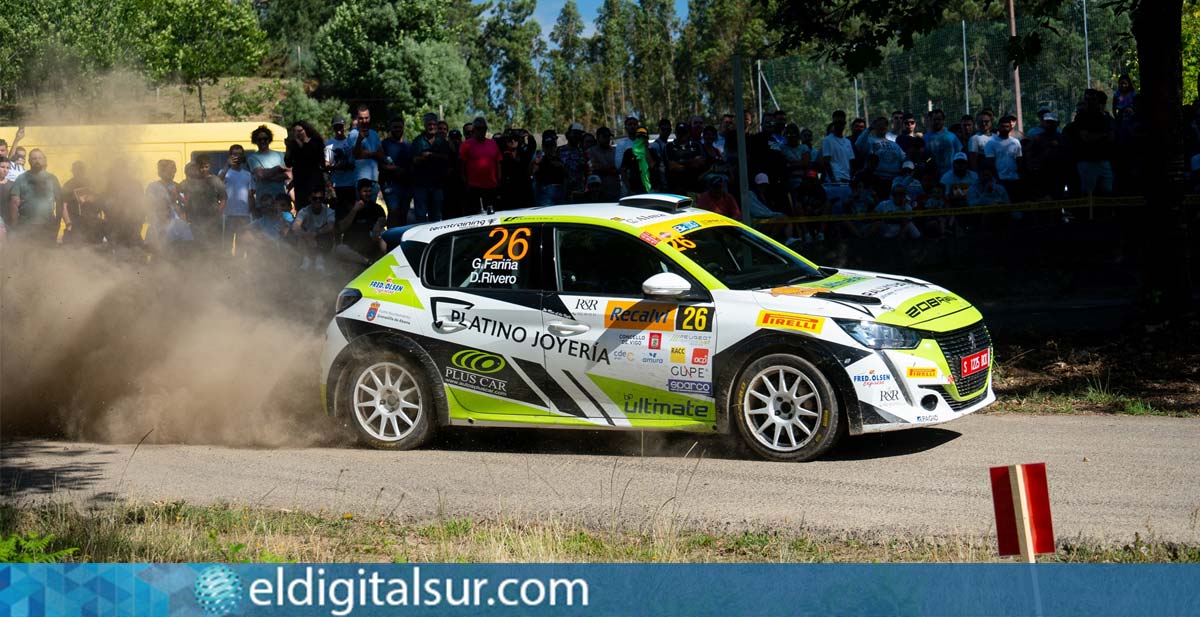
387 401
785 409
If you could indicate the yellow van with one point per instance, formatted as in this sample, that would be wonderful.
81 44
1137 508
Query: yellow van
136 148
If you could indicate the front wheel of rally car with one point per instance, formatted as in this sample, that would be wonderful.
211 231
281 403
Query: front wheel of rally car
389 402
785 408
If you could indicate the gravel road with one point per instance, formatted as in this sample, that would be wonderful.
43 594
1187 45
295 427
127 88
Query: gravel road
1110 477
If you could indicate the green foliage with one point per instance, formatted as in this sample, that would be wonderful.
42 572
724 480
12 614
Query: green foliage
198 41
240 102
512 37
31 548
1191 50
297 105
391 56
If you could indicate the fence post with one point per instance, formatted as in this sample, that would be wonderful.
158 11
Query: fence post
739 115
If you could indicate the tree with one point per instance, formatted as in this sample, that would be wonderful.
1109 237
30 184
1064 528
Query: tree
292 25
198 41
566 64
391 56
855 33
511 37
653 53
297 105
609 54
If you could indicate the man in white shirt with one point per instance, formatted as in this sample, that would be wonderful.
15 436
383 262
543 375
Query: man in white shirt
837 152
239 194
1004 155
958 181
975 154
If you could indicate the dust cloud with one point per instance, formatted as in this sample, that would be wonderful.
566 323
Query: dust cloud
205 349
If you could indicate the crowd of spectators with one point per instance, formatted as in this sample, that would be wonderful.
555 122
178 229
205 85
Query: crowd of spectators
321 196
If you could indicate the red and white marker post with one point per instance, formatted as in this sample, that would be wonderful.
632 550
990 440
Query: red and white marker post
1022 501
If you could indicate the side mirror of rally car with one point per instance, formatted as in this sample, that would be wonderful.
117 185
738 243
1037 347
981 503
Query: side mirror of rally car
666 285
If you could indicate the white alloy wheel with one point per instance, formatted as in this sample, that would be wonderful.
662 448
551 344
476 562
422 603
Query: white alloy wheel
782 408
387 402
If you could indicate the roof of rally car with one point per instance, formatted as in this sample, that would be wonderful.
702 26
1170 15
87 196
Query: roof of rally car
637 217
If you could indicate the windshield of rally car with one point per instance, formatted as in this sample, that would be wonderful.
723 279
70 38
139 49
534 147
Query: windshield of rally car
741 259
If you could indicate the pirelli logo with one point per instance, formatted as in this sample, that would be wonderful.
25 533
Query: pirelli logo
788 321
921 372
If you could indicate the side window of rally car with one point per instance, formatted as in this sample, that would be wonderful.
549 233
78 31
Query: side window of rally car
501 257
595 260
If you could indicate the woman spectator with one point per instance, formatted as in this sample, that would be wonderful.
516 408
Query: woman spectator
306 157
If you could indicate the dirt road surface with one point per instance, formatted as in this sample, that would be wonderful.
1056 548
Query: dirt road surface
1110 477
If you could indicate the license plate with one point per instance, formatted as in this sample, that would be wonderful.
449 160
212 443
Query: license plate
976 362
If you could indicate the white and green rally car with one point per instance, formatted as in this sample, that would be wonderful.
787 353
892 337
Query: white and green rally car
648 314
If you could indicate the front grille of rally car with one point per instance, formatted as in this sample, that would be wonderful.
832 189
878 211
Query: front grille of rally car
956 345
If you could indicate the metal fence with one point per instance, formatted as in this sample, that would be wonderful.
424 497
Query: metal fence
961 68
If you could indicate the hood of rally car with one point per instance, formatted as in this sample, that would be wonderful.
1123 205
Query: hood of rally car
893 300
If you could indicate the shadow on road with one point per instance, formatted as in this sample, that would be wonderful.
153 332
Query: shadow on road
886 445
20 477
604 443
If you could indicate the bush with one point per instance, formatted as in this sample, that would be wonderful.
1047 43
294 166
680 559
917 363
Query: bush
31 548
297 105
241 103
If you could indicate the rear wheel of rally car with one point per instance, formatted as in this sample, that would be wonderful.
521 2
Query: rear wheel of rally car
785 408
390 404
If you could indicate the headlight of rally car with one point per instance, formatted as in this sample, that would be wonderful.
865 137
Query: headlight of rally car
880 336
346 299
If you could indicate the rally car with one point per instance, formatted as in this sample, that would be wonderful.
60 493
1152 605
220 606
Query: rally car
644 315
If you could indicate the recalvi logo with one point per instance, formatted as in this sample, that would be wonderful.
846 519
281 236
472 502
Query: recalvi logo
640 316
788 321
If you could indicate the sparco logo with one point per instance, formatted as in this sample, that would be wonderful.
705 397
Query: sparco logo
931 303
478 361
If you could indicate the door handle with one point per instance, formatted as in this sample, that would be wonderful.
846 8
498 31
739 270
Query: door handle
567 329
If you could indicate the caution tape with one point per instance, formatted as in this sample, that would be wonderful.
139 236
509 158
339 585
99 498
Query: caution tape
1031 206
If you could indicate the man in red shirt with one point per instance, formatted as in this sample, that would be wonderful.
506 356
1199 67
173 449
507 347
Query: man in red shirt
717 199
481 166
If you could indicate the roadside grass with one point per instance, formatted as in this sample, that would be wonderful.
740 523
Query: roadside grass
180 532
1091 395
1127 372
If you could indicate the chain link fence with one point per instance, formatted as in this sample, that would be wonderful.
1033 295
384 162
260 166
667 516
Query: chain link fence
961 68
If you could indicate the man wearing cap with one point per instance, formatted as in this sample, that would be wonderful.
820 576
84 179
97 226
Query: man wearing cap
640 167
481 169
958 181
430 159
1004 155
908 180
339 158
1037 130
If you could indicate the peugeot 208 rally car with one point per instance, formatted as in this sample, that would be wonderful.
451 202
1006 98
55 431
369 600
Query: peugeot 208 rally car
648 314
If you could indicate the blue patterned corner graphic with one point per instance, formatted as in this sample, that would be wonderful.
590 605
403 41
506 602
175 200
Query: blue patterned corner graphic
100 590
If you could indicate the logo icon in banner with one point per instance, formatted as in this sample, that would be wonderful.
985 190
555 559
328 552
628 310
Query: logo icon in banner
218 590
